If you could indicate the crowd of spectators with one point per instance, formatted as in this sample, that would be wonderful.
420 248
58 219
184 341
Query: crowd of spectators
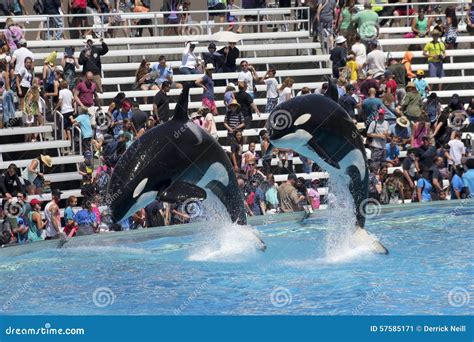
397 110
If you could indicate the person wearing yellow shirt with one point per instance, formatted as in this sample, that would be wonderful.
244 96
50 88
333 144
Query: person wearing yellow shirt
435 51
351 64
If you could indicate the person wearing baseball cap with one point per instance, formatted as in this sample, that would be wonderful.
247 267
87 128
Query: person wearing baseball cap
288 195
36 225
207 83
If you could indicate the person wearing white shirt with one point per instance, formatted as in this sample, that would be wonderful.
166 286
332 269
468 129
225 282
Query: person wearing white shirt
272 90
457 150
189 61
360 52
18 58
285 90
376 61
65 103
248 75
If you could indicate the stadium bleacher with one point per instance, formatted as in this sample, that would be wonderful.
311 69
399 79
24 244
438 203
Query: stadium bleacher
291 52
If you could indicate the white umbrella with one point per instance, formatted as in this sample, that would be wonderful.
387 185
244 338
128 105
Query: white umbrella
226 36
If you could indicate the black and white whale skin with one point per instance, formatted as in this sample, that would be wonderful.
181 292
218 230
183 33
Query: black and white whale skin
175 161
317 128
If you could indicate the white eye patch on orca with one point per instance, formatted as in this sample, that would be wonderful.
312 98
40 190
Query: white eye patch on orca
302 119
140 187
196 130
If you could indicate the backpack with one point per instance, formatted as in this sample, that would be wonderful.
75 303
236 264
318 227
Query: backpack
79 4
432 110
49 85
38 7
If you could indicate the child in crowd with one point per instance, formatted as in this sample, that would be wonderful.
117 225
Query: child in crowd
421 84
351 65
229 95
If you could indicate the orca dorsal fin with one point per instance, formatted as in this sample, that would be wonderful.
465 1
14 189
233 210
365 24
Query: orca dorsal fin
181 109
332 92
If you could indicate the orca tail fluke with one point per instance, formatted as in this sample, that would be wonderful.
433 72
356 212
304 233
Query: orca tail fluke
332 92
181 110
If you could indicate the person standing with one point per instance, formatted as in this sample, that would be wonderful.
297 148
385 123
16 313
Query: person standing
288 196
248 75
161 103
375 60
89 58
367 22
246 103
457 150
468 176
435 51
285 91
53 9
13 33
85 93
338 56
84 121
52 216
207 83
24 81
234 120
36 225
272 90
378 131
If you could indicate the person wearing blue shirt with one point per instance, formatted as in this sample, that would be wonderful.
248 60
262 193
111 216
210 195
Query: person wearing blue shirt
424 188
468 176
457 184
401 129
86 219
162 72
84 121
393 151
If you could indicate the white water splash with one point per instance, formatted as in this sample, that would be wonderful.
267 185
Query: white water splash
341 246
221 240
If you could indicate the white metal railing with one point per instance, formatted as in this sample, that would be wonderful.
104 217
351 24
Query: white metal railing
73 140
268 16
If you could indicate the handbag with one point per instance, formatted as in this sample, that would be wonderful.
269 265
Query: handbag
409 35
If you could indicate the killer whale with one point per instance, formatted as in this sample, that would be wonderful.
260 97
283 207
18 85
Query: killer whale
316 127
176 161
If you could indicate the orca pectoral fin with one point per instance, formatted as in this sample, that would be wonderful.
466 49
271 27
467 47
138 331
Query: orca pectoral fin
323 153
181 191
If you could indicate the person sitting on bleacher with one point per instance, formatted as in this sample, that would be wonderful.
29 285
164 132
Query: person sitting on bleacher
162 71
143 78
33 175
230 53
190 62
10 181
401 130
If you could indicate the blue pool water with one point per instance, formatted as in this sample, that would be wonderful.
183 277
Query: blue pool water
429 271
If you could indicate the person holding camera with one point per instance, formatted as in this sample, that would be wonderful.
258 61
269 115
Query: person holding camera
435 51
89 58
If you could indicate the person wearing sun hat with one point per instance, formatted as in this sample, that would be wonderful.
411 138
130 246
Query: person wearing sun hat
34 173
338 56
207 83
234 120
412 103
401 129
